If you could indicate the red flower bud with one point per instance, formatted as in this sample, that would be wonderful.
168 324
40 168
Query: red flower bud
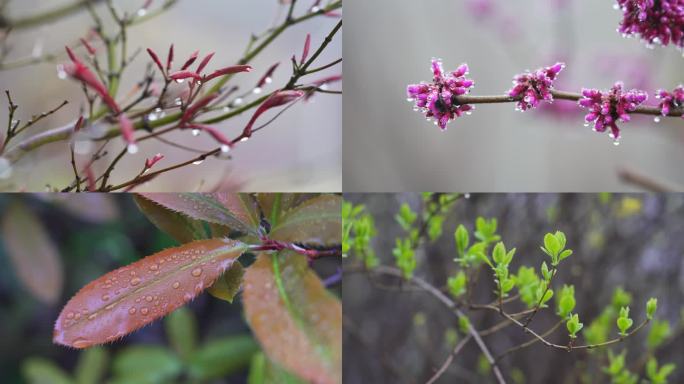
169 58
194 108
191 60
275 100
268 75
184 75
154 57
307 45
228 70
204 63
149 163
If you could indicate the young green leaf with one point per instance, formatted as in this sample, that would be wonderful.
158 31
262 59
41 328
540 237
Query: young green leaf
317 221
573 325
296 320
566 301
406 217
651 306
181 227
545 271
228 285
457 284
238 211
130 297
32 253
623 321
462 240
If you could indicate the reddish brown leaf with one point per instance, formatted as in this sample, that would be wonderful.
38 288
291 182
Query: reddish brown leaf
317 221
234 210
296 320
33 254
273 205
126 299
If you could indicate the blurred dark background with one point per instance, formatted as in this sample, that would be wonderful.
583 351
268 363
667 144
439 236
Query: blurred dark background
94 234
632 241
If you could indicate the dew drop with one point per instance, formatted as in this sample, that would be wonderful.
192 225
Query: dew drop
135 281
132 149
142 12
225 148
195 132
105 297
238 101
268 80
244 139
154 267
315 9
144 311
180 81
176 285
178 101
110 307
198 162
92 317
132 310
70 315
148 299
257 90
196 272
226 109
61 73
656 119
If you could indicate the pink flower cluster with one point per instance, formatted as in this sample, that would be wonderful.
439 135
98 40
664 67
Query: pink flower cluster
439 100
656 21
535 87
607 108
670 100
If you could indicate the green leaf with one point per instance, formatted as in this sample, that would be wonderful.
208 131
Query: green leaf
624 323
273 205
317 221
651 306
181 331
228 285
92 366
222 357
237 211
573 325
457 284
551 244
545 271
182 228
499 253
296 320
130 297
34 256
563 255
406 217
659 332
37 370
145 364
462 240
264 371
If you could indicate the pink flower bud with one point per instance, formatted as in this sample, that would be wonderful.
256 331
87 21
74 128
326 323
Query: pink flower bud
149 163
228 71
307 45
190 60
156 60
275 100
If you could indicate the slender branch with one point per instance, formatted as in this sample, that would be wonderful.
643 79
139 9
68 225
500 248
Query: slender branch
530 342
559 95
48 16
541 299
449 359
451 305
646 182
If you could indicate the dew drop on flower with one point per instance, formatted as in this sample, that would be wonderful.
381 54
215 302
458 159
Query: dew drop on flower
5 168
195 132
180 81
132 149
